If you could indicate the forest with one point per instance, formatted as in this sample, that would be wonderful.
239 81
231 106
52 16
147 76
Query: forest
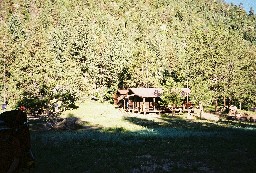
69 50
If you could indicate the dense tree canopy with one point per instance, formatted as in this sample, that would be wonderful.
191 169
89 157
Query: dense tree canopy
70 49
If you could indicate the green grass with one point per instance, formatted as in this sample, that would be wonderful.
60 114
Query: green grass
102 115
113 141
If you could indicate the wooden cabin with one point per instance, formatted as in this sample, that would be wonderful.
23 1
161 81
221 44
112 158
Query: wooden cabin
119 97
143 100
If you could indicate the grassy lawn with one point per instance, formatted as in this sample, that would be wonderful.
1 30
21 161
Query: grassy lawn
115 141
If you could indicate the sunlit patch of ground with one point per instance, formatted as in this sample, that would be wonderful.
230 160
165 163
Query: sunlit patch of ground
104 115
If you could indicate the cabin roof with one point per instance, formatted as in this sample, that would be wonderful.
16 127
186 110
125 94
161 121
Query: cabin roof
146 92
122 92
185 90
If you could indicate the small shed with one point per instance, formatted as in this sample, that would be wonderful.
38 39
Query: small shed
143 100
187 104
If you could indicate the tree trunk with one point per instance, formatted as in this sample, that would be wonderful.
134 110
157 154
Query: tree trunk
229 102
201 109
224 100
173 111
216 105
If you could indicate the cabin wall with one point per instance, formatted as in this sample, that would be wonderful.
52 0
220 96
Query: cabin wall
138 104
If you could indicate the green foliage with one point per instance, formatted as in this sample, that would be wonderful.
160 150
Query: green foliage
91 48
172 93
33 103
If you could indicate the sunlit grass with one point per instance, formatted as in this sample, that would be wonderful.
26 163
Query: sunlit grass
107 117
103 115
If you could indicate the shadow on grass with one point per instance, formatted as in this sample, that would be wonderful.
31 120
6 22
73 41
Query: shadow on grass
174 127
172 122
168 127
172 145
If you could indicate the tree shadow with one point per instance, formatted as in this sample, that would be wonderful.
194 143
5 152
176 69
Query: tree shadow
162 143
170 123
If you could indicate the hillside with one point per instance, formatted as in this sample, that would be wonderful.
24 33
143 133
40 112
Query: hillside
71 49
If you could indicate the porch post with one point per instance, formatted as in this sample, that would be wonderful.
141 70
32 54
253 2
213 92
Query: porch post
154 103
139 107
144 105
133 104
128 104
